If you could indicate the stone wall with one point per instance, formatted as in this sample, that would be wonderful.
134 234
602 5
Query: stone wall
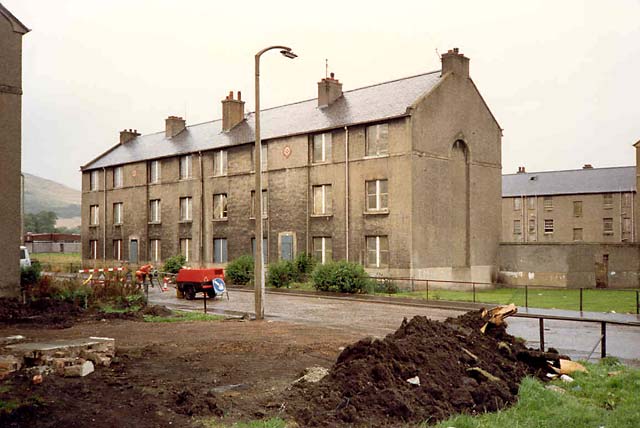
570 265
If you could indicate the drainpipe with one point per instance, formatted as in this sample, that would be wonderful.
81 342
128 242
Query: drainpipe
21 209
633 217
146 223
308 245
346 191
621 218
201 211
104 215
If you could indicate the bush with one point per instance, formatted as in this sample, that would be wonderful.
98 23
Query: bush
30 275
341 276
282 273
174 264
240 271
304 264
386 285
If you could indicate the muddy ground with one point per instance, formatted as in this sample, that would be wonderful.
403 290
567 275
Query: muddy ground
171 374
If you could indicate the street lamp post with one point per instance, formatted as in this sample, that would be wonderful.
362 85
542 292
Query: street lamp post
258 257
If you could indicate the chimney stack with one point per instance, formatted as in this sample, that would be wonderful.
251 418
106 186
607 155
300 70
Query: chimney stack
521 170
329 90
587 166
127 135
232 111
173 125
453 61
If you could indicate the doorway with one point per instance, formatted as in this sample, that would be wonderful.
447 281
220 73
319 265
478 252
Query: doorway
133 251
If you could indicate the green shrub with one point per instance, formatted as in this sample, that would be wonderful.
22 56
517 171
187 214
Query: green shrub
174 264
341 276
386 285
282 273
240 271
304 264
30 275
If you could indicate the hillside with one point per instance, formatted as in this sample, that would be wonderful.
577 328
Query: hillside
47 195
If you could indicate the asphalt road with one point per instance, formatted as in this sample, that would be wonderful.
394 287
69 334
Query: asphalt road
378 319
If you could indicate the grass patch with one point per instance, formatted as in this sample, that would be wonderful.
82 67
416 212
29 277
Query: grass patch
110 309
265 423
183 316
594 400
594 300
57 257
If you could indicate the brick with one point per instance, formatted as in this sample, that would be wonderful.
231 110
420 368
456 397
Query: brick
79 370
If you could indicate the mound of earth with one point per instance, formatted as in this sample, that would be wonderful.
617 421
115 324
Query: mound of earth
41 312
425 371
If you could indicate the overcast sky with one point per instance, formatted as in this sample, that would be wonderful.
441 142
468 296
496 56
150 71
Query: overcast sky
561 77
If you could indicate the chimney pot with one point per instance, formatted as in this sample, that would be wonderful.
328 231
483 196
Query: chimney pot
587 166
127 135
239 96
455 62
329 90
333 75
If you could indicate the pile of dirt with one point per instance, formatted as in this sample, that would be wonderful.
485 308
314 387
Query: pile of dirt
157 311
425 371
42 312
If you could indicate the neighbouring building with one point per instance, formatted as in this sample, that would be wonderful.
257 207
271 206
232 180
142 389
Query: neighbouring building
584 205
11 32
52 242
402 176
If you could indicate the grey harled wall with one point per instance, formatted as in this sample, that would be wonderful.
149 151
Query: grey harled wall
568 265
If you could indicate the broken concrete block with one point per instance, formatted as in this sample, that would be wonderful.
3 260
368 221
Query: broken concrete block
79 370
9 364
11 339
414 380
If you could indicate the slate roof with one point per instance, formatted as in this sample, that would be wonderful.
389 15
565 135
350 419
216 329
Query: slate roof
578 181
369 104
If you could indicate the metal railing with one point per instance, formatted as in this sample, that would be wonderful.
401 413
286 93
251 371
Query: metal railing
432 286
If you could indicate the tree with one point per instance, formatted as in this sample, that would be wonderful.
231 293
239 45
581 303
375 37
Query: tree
42 222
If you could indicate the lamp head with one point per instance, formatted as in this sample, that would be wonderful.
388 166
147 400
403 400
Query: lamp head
289 54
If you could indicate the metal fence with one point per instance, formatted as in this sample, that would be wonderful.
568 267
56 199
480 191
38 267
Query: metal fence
526 295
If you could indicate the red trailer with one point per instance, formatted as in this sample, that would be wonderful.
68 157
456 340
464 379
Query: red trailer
192 281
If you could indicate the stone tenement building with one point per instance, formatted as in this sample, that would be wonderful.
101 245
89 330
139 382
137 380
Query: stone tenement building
402 176
584 205
11 32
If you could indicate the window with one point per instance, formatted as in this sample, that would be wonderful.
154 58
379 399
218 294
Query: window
117 249
607 226
185 248
377 140
626 200
94 180
548 226
377 196
94 215
607 200
185 167
154 211
532 226
154 172
185 209
265 249
263 158
517 227
531 203
154 250
322 201
117 177
93 249
377 251
220 250
220 206
321 147
322 249
117 213
287 245
577 208
517 204
577 234
547 203
264 204
219 163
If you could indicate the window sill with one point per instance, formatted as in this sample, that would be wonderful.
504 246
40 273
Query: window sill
607 234
321 215
609 207
320 163
384 155
376 212
186 178
263 218
154 183
117 224
548 233
219 175
224 220
185 222
94 225
155 222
